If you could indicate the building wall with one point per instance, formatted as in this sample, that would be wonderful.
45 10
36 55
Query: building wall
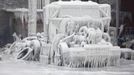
14 3
5 29
1 3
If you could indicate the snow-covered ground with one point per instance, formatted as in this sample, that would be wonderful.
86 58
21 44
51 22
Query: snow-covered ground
15 67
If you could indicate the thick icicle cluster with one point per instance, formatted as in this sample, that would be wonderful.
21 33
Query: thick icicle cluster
91 58
22 14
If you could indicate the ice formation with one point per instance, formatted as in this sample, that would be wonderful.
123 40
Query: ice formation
77 35
28 48
23 15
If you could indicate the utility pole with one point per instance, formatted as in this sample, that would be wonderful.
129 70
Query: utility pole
117 17
32 18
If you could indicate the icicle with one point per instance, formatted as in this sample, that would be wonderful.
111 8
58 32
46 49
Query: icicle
22 14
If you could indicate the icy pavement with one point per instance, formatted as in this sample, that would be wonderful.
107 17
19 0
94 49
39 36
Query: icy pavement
34 68
15 67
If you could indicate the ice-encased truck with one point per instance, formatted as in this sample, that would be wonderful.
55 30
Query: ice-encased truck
78 34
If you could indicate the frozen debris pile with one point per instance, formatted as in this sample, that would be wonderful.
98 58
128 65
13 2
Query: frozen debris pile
28 48
4 50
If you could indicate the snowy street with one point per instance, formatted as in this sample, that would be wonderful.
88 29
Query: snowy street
35 68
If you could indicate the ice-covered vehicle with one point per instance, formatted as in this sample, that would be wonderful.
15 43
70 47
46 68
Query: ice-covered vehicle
78 33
